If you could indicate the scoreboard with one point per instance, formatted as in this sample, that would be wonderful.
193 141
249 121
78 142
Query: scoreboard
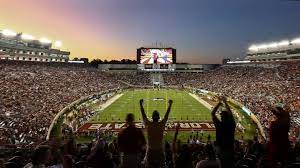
156 55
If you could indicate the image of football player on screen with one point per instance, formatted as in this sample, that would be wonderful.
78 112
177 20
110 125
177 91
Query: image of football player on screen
155 58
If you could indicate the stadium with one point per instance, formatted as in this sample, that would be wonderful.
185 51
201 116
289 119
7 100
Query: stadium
98 100
160 110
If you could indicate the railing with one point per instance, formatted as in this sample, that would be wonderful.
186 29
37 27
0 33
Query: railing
60 117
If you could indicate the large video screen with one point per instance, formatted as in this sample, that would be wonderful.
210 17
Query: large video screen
156 56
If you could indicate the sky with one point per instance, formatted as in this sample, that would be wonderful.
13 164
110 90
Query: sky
202 31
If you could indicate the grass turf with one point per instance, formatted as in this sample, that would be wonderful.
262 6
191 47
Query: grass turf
184 106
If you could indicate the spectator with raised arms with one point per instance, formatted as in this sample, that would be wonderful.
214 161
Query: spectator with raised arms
225 130
155 130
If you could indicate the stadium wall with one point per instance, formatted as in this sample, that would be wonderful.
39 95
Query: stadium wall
60 117
196 68
117 67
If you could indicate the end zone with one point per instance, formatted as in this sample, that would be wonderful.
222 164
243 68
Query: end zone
170 126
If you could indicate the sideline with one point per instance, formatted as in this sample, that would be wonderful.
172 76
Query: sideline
110 101
102 107
207 105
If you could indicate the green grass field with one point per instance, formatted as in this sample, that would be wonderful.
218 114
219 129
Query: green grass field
185 107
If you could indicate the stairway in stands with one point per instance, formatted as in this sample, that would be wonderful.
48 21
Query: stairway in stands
157 78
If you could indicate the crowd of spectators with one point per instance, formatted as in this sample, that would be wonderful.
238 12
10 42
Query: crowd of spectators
31 94
135 79
107 150
257 86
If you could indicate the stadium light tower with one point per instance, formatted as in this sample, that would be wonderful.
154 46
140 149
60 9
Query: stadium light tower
253 48
58 44
27 37
284 43
262 46
296 41
273 45
45 40
8 33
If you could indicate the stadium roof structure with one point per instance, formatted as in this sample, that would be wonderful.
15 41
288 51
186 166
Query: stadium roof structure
10 34
275 46
25 47
274 51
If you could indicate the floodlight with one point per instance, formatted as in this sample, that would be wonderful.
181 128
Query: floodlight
58 44
273 45
45 40
7 32
296 41
27 37
284 43
253 48
262 46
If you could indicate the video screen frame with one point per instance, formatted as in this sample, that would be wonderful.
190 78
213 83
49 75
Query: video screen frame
159 60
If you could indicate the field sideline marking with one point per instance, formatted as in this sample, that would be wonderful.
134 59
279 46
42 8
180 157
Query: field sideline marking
207 105
110 101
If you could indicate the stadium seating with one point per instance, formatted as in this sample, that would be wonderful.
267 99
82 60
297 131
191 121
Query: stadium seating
257 86
31 94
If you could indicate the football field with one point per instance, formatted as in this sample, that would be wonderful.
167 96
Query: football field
184 108
191 115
